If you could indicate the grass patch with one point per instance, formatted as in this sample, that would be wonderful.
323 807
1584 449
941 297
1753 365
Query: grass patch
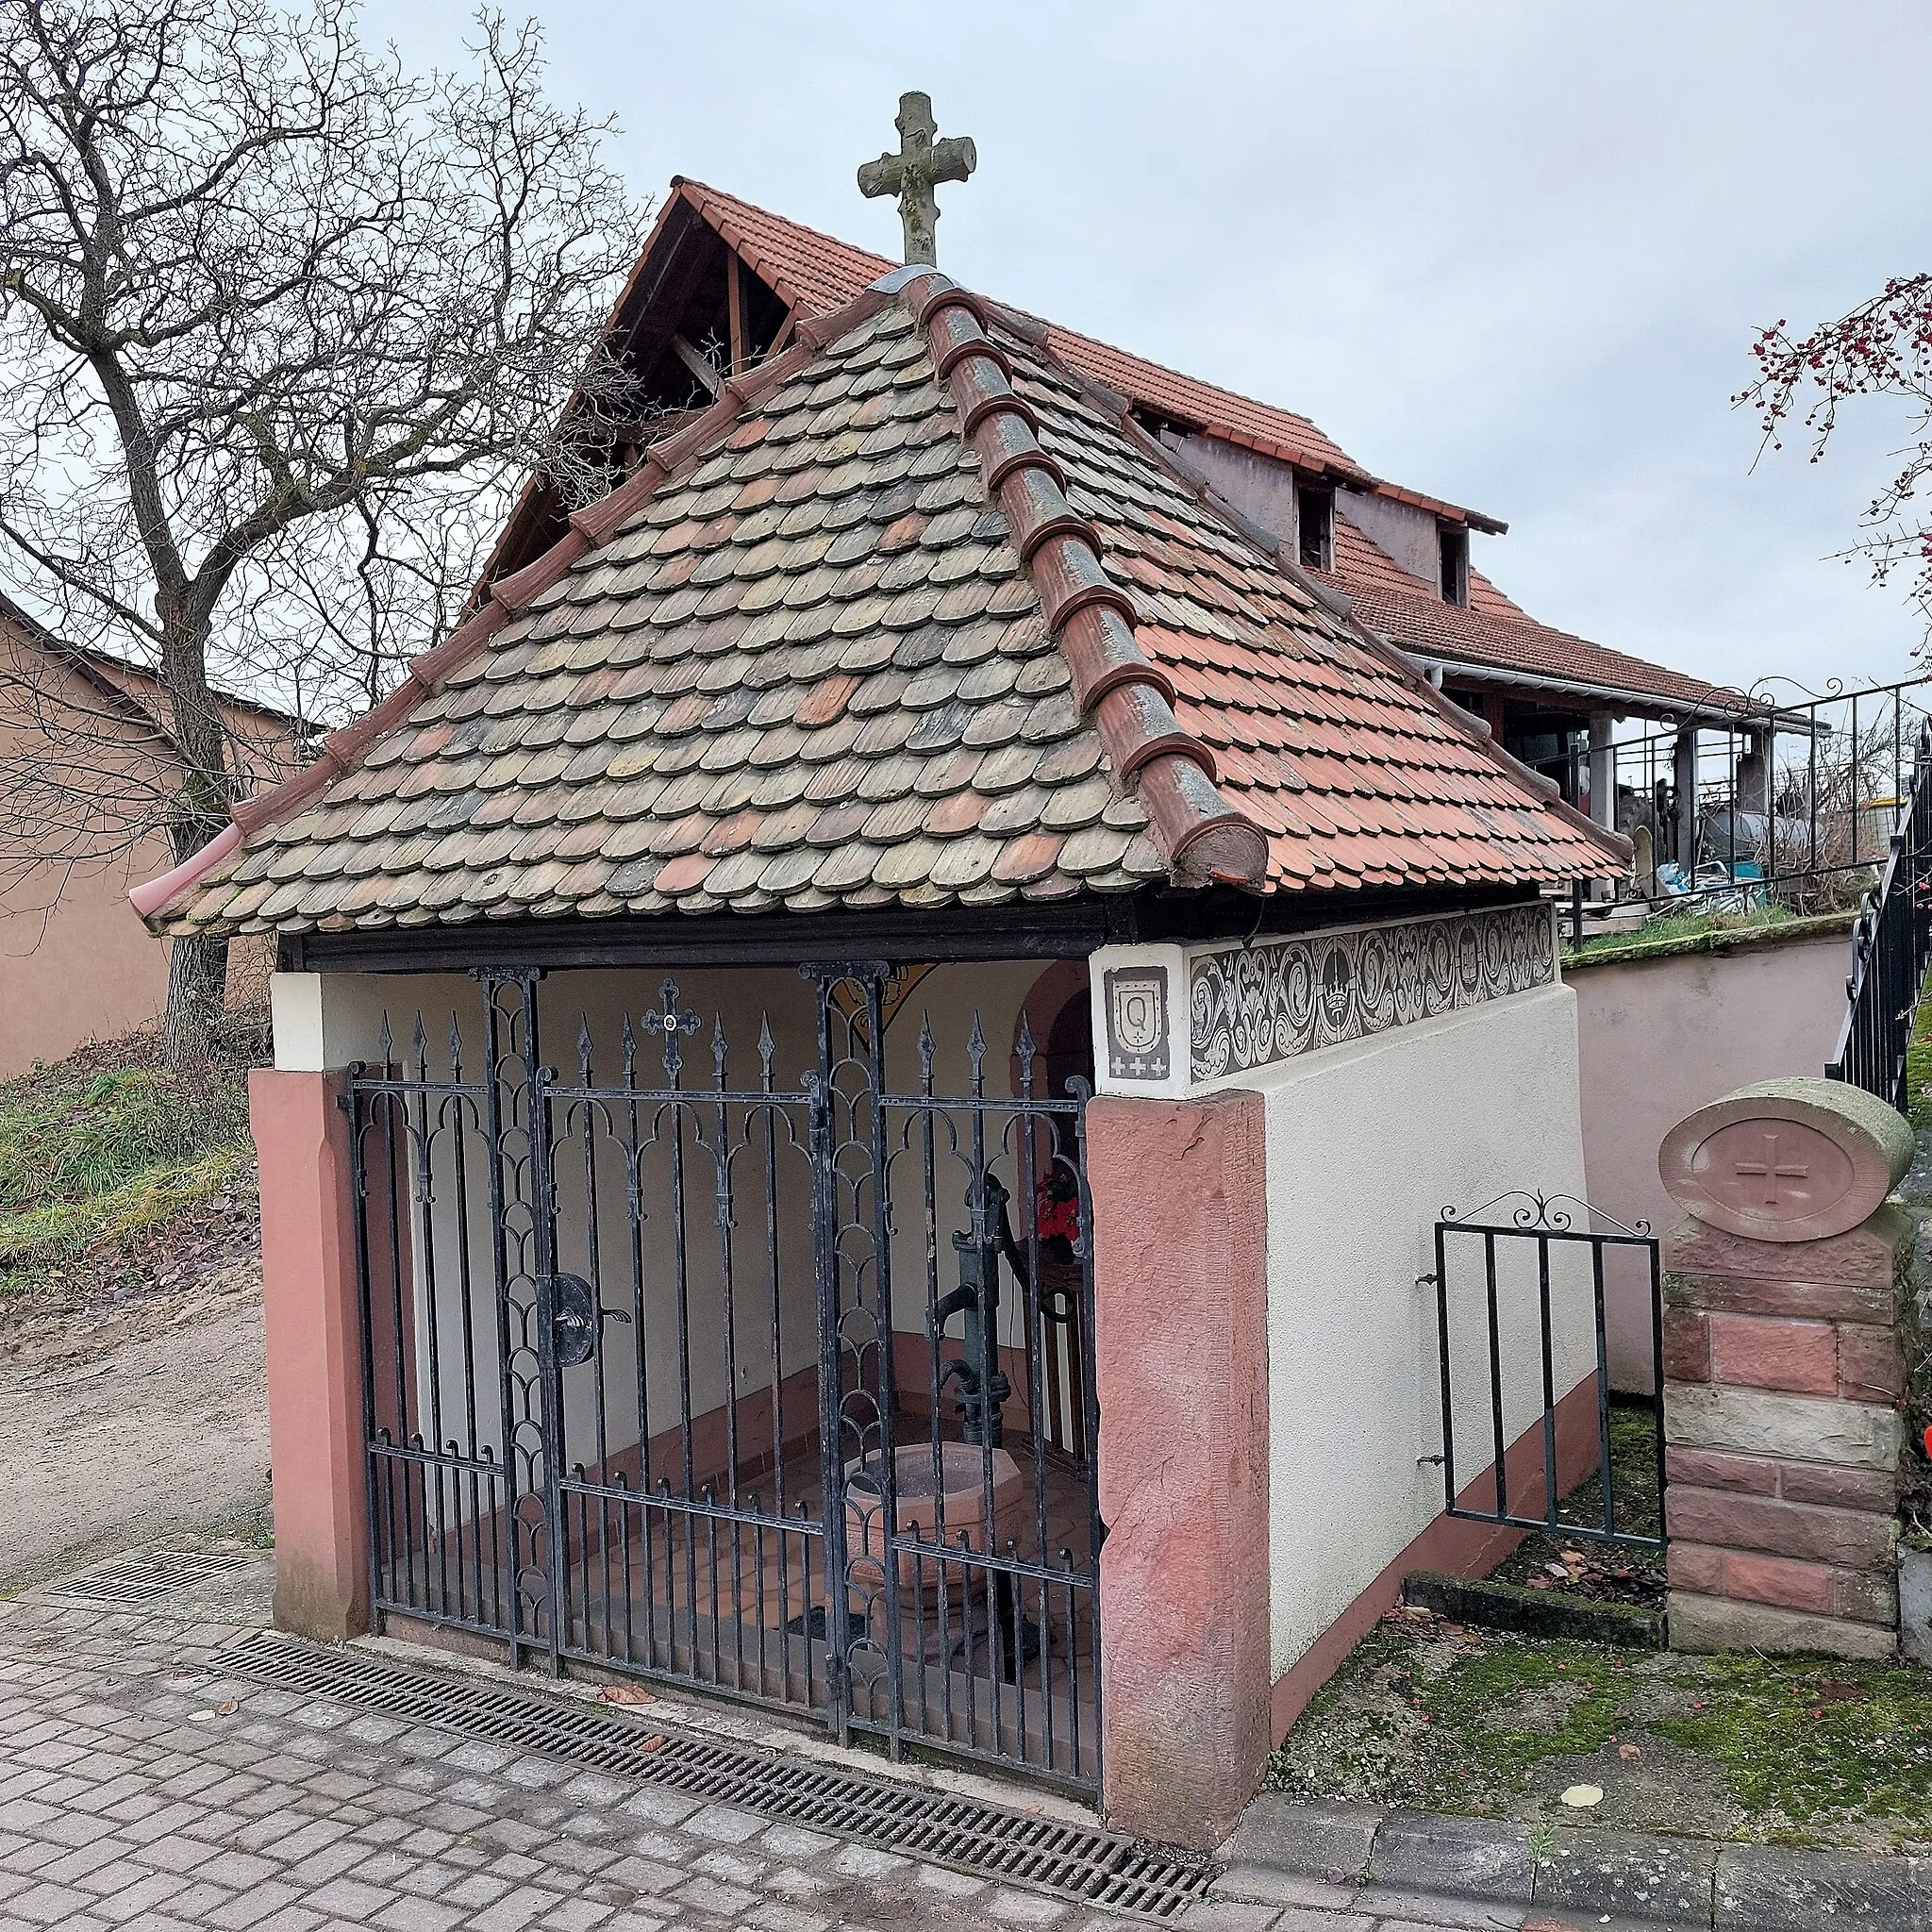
1919 1063
1818 1741
104 1148
1517 1703
1682 925
1777 1749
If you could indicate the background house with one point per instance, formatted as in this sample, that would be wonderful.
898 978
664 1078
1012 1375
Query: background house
87 769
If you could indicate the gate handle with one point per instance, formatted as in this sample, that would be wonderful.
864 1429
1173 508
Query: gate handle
574 1324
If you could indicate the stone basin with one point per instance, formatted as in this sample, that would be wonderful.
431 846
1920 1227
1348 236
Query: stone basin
962 1487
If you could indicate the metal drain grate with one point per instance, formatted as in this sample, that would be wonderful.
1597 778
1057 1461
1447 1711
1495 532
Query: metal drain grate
1097 1868
135 1582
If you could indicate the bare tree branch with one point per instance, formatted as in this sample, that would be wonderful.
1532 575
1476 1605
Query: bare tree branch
1881 348
284 327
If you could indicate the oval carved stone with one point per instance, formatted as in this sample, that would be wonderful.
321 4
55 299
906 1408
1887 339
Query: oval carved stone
1787 1160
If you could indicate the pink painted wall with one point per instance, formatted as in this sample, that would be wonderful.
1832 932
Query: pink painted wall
1658 1038
75 962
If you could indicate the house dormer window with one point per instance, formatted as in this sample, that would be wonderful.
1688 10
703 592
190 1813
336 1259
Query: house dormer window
1315 517
1453 545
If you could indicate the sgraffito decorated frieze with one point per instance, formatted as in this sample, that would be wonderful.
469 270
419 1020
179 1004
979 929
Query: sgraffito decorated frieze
1255 1006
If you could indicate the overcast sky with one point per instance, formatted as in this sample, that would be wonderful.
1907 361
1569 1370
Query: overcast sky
1514 256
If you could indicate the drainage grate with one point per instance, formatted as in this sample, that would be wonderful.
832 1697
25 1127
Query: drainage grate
1098 1868
134 1582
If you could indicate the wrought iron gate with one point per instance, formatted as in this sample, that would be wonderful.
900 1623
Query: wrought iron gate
1530 1293
783 1391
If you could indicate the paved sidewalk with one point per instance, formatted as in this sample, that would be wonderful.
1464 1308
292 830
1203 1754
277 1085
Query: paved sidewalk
132 1795
1293 1866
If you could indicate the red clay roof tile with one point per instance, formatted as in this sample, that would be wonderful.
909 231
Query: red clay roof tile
817 271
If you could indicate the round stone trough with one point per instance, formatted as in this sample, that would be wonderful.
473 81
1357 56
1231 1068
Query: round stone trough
961 1490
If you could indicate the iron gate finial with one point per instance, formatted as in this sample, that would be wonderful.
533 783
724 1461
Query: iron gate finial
671 1022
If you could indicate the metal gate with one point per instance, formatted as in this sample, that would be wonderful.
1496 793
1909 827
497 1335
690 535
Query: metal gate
1521 1313
779 1390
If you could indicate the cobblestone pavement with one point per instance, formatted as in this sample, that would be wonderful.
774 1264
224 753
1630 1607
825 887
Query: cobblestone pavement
139 1790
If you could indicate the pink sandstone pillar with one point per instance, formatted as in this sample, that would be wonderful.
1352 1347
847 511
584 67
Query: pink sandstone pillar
1181 1358
1784 1364
314 1354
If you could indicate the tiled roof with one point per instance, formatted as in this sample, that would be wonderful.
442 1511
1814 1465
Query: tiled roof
1495 633
808 269
858 638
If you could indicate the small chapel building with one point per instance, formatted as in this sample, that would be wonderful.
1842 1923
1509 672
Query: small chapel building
864 1062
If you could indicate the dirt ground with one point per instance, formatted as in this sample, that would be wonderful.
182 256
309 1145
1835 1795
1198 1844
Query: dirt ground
130 1417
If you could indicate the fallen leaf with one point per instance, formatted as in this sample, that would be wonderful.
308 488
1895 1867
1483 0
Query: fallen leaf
1581 1797
1628 1752
625 1694
1556 1570
229 1709
201 1717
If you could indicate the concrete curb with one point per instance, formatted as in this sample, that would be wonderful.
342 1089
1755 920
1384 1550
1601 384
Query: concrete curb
1360 1858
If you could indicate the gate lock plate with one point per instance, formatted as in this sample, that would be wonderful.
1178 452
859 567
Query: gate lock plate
572 1320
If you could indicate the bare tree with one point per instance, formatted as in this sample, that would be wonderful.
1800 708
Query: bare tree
280 325
1881 348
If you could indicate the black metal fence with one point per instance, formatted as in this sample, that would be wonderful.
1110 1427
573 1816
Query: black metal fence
1534 1405
1766 802
782 1390
1891 948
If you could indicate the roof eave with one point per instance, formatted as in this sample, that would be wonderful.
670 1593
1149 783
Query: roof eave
1660 705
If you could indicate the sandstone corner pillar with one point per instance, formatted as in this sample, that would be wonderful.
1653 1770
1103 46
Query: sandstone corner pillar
316 1443
1181 1359
1784 1360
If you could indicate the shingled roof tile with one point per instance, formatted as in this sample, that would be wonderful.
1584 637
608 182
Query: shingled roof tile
863 696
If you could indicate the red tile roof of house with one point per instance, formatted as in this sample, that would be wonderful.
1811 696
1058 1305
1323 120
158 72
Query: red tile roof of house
1495 633
915 615
817 271
805 266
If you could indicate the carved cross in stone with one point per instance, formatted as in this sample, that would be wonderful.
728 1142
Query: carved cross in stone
1771 1170
923 160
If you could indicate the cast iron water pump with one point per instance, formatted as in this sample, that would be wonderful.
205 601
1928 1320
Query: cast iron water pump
983 1386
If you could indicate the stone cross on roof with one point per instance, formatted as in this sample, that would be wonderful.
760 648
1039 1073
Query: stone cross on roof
911 173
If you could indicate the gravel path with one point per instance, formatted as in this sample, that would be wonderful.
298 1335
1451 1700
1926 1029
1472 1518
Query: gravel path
103 1447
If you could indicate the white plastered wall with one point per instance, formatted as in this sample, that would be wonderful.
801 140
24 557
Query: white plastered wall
1367 1144
334 1020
